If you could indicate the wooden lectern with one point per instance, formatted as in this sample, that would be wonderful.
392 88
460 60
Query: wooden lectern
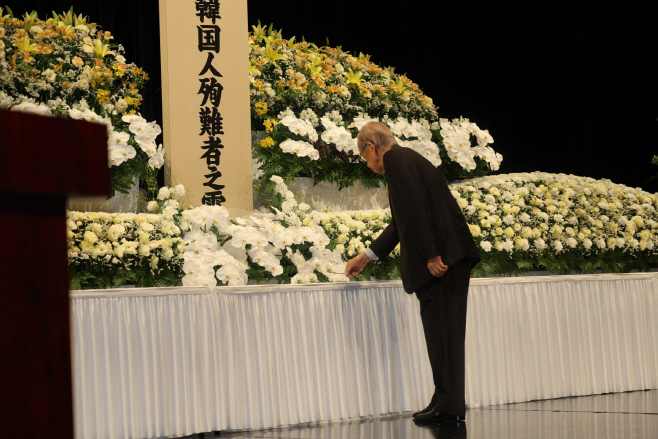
42 161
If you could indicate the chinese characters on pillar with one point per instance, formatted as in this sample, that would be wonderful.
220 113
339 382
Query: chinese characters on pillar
210 89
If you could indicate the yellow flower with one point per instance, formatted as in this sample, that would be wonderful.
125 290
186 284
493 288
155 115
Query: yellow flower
400 84
70 19
292 44
269 124
273 54
253 70
120 71
29 20
259 31
475 230
266 142
67 32
103 96
101 50
274 36
24 45
260 108
316 71
353 77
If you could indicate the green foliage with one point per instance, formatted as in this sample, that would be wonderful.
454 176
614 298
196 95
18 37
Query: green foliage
567 262
381 269
92 275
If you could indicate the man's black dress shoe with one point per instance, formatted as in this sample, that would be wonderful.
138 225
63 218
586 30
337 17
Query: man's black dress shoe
429 407
425 410
434 416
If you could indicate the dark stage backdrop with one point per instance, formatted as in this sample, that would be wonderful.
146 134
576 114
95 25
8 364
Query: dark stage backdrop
563 87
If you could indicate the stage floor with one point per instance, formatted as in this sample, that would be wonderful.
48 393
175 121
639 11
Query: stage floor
628 415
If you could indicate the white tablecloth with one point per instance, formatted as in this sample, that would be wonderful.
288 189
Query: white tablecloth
159 362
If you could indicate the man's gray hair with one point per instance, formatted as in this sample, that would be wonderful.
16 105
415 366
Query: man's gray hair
378 134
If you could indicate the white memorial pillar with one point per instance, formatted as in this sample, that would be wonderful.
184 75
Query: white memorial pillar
205 93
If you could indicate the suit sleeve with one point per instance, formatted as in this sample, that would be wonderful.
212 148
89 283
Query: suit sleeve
386 241
414 201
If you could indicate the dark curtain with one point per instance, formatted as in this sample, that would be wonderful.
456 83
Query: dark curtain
564 87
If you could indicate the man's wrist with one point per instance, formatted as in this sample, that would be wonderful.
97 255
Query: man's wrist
371 255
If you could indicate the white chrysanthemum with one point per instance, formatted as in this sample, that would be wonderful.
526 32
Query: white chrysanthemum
179 191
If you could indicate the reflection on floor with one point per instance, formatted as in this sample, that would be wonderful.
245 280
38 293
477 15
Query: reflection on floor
628 415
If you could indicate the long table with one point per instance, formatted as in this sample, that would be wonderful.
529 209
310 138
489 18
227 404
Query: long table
168 362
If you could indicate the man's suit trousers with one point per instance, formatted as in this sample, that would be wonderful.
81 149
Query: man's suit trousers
443 303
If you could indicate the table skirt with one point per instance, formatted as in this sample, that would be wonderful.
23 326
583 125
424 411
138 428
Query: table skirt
168 362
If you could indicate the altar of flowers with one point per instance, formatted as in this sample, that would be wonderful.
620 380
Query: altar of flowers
521 222
308 103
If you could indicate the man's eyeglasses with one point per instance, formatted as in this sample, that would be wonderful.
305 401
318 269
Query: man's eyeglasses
365 148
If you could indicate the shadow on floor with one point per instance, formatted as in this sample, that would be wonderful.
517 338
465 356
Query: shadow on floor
628 415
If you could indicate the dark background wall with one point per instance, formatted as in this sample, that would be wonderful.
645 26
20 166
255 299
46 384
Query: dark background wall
565 86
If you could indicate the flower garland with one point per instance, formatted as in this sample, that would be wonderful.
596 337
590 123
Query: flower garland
67 67
311 101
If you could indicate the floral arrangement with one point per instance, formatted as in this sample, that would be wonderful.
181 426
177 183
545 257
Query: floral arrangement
354 231
110 249
197 247
311 101
262 248
520 222
562 223
67 67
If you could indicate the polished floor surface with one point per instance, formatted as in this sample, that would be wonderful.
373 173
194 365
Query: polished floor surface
627 415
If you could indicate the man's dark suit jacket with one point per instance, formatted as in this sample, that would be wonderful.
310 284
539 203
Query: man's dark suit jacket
426 219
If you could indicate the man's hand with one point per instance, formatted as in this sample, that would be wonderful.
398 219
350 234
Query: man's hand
436 266
355 265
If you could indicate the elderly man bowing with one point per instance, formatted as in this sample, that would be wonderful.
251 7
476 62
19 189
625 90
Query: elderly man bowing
437 253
